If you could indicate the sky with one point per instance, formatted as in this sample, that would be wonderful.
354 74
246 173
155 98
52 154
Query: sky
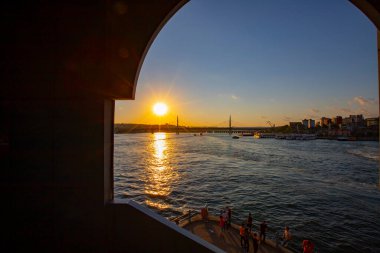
258 61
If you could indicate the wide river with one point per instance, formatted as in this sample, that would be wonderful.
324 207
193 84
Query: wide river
323 190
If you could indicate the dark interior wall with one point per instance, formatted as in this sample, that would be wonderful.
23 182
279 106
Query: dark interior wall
53 49
52 178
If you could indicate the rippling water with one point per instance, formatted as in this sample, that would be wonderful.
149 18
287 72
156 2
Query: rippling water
324 190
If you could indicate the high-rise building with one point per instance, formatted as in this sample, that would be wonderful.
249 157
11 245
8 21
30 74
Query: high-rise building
353 121
336 120
311 123
305 123
358 120
325 121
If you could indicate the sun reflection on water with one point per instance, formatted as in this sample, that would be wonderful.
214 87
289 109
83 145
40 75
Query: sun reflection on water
160 147
160 175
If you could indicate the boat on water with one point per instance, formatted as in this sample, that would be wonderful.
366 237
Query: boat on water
235 137
207 227
258 135
342 138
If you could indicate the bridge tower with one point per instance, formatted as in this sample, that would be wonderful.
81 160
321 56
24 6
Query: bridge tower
230 130
177 126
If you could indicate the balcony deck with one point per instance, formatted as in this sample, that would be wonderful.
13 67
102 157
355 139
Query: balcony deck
229 240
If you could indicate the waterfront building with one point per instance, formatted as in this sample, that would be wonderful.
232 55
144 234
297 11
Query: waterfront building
346 122
372 122
325 122
353 121
358 120
295 125
337 121
311 123
305 123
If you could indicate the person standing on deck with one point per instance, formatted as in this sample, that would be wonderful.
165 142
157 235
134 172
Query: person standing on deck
255 243
287 236
221 224
221 211
241 232
249 222
246 240
204 213
263 231
225 217
229 213
307 246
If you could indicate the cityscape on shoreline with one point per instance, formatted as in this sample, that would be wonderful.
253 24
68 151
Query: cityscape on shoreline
355 126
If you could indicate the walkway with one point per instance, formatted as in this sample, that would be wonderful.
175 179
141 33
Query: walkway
228 240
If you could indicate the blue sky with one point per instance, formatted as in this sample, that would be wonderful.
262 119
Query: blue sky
264 60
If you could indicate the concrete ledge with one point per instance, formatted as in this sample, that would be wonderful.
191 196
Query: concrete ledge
132 226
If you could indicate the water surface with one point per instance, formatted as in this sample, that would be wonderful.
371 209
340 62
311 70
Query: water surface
323 190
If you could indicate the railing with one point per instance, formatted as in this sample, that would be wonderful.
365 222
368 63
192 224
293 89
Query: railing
185 217
272 234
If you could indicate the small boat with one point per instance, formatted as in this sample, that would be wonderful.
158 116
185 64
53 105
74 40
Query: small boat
235 137
258 135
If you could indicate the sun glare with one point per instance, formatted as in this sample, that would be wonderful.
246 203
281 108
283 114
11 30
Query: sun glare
160 109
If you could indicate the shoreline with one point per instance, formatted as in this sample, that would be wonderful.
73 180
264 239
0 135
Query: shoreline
331 138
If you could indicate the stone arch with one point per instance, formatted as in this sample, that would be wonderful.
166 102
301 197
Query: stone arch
370 8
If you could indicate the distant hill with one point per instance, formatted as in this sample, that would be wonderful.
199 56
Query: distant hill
144 128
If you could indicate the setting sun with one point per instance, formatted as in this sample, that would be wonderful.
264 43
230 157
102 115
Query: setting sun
160 109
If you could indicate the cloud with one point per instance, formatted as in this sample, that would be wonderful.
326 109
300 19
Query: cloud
264 117
313 113
345 110
313 116
314 110
364 111
228 96
363 101
360 100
